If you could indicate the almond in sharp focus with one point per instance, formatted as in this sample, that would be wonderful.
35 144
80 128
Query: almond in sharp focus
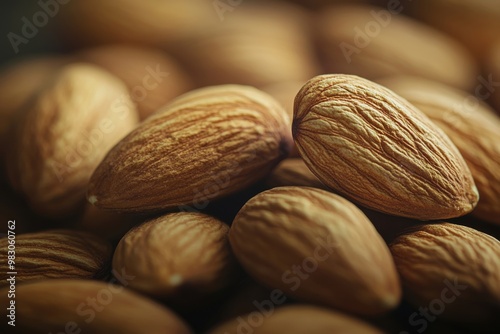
206 144
64 134
64 306
316 247
451 270
367 143
56 254
471 125
296 319
182 258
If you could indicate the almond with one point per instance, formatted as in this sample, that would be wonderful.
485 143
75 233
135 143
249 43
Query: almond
296 319
204 145
316 247
294 172
63 135
73 306
180 257
257 45
373 42
452 270
152 77
472 126
371 145
56 254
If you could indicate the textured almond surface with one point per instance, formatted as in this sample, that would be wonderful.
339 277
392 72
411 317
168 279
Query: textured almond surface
342 261
472 126
204 145
299 319
57 254
372 42
437 256
179 257
57 306
367 143
294 172
64 134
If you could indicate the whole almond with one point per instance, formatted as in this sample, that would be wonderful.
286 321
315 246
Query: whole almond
294 172
371 145
296 319
204 145
181 257
64 134
452 270
56 254
316 247
64 306
374 42
152 77
471 125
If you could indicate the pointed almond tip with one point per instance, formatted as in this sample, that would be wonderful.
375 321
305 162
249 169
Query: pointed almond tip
92 199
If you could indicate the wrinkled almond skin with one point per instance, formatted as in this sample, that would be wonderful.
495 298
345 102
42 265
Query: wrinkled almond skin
64 134
299 319
57 254
455 264
294 172
473 128
180 257
60 306
206 144
342 261
374 147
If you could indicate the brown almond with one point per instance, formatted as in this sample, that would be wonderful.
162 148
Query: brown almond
369 144
152 77
204 145
470 124
375 42
54 254
64 306
296 319
316 247
451 270
64 134
182 258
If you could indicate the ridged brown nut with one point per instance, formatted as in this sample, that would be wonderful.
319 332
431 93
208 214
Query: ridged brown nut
470 124
317 247
204 145
55 254
182 258
369 144
63 135
452 270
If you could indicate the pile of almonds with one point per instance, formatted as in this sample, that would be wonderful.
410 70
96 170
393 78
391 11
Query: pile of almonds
264 167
